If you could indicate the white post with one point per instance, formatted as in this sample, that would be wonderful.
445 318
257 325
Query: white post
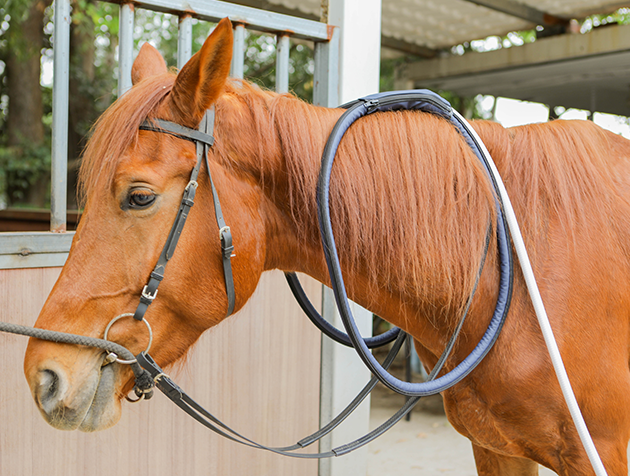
343 373
125 47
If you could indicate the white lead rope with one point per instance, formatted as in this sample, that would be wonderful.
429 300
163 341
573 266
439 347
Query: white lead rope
539 308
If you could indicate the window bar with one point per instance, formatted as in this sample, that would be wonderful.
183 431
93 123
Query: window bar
238 55
125 48
282 63
59 152
184 40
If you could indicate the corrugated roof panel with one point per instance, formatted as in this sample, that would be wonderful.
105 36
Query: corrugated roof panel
445 23
574 8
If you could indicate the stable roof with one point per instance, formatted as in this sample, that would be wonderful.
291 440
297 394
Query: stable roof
587 71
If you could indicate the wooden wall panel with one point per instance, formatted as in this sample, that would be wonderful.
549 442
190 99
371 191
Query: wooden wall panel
258 370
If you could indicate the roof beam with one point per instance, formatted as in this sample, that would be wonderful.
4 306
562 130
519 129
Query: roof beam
520 10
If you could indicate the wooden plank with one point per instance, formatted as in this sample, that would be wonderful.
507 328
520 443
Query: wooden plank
258 370
35 242
18 219
34 260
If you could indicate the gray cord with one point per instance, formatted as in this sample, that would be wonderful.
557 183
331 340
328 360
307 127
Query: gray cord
143 379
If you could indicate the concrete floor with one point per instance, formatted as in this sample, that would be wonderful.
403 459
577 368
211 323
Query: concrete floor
425 446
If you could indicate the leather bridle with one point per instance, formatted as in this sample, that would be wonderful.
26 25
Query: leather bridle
203 140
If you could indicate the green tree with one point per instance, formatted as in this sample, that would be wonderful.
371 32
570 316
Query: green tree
23 157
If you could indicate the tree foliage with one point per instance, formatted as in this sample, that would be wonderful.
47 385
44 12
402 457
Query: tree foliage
93 80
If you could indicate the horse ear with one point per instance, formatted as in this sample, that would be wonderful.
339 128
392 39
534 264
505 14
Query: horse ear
201 80
149 62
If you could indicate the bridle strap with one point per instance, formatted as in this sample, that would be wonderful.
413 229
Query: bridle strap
225 234
203 139
179 131
178 396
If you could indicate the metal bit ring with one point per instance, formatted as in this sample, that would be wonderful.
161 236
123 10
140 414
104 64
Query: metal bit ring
115 319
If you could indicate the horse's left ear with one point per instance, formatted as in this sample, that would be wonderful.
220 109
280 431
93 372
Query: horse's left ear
149 62
201 80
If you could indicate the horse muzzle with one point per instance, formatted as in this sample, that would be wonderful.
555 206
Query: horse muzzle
76 393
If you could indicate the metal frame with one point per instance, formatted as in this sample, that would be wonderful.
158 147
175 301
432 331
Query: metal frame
61 81
34 250
520 10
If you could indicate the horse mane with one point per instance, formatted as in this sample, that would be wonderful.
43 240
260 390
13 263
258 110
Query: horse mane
571 174
409 200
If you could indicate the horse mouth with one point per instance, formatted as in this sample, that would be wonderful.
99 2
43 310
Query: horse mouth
104 411
89 406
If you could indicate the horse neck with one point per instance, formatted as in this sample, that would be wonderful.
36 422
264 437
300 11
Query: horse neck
410 220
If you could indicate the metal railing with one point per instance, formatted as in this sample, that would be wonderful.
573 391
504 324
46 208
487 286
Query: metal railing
29 250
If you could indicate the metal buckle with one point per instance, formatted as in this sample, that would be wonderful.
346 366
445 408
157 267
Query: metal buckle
192 183
147 295
225 235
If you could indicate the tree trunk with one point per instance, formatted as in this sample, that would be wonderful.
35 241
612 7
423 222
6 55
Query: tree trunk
26 39
82 107
24 120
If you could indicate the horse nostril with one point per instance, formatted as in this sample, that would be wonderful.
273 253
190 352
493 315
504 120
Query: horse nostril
48 387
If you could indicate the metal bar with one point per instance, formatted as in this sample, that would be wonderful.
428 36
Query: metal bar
520 10
407 47
125 48
61 80
184 40
282 63
326 77
387 41
262 20
238 55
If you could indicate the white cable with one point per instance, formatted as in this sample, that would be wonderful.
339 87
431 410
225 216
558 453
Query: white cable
539 308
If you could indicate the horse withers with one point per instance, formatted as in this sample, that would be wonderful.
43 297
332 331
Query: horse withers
411 207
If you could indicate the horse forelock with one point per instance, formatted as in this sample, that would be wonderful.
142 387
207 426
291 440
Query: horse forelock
117 129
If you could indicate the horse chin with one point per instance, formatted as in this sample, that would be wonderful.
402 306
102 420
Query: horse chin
92 406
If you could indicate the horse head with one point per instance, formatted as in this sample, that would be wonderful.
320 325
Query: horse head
133 182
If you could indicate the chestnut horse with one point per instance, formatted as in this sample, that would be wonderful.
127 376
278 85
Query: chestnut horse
410 205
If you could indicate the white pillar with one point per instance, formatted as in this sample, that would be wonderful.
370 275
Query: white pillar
343 373
360 46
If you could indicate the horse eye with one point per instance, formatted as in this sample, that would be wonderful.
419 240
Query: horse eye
140 199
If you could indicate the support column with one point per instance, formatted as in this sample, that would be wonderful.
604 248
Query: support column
125 47
343 373
61 81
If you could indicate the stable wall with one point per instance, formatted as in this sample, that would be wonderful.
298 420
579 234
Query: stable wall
258 371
